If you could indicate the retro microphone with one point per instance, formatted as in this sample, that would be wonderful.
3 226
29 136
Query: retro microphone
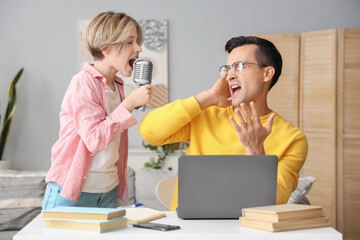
142 75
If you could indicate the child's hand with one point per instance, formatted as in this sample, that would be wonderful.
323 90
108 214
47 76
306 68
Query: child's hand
138 97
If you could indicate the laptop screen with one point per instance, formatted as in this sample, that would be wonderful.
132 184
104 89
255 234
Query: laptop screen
219 186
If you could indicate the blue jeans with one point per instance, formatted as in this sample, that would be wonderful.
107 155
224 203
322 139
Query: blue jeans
53 199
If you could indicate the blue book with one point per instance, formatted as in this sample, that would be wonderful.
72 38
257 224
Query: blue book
99 226
87 213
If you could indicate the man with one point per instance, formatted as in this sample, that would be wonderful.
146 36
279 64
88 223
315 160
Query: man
215 126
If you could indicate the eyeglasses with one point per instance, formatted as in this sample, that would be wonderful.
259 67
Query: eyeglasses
236 66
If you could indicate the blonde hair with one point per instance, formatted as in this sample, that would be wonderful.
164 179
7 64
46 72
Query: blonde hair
108 30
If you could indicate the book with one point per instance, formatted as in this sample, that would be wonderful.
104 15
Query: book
142 214
285 225
282 212
99 226
87 213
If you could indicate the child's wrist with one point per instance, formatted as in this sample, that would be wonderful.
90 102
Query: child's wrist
127 105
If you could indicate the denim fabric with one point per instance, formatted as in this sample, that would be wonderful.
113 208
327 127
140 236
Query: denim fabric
53 199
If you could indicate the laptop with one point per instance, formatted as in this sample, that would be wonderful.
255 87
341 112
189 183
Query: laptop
220 186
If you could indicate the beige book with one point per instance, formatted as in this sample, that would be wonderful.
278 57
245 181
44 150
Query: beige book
285 225
276 213
99 226
142 214
89 213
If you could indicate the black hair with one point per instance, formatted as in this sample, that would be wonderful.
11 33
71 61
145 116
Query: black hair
266 53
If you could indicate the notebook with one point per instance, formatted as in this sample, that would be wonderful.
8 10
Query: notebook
220 186
142 214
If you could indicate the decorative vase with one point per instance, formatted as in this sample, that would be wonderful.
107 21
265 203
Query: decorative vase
5 164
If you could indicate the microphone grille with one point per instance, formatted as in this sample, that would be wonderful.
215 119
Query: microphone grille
143 72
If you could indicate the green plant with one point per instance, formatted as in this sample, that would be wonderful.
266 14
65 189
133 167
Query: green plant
9 112
162 152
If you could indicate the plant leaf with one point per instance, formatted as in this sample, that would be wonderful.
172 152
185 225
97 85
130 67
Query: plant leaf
9 112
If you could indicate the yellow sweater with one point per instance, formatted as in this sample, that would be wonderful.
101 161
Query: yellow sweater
210 132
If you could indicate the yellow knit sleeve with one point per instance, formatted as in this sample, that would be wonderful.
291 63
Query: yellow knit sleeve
289 167
170 123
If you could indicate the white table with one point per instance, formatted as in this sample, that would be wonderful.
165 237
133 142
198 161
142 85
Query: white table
190 229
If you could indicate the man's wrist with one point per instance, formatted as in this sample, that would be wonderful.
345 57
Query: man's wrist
204 99
255 151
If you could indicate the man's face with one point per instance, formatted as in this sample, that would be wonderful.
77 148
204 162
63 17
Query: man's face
247 85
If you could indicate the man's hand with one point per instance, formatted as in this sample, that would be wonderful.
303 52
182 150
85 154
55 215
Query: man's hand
217 95
251 132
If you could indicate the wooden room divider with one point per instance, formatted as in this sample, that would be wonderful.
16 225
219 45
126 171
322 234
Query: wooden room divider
319 91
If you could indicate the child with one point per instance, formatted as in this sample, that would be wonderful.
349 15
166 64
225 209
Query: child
89 161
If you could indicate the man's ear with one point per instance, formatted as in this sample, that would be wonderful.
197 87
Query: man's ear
269 73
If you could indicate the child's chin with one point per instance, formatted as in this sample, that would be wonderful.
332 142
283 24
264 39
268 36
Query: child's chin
126 74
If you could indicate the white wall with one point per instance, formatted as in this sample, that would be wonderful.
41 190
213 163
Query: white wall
42 36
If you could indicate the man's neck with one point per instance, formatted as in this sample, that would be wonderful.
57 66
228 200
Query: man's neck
262 109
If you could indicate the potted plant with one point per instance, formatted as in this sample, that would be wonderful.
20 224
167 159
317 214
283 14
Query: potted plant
6 125
162 152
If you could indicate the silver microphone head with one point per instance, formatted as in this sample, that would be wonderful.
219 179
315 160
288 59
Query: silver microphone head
143 72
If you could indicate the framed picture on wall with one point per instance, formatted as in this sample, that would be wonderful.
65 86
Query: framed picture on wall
154 48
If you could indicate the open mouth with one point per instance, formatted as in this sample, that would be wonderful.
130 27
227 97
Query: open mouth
132 61
235 89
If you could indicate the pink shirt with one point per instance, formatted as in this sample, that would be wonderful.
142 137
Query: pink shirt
86 130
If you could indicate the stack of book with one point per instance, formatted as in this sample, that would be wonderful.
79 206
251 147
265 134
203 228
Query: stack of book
285 217
86 219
